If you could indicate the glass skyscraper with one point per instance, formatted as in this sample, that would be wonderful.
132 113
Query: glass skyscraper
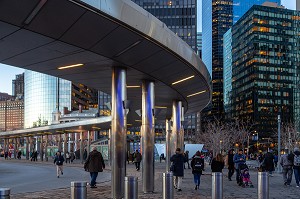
240 7
41 99
180 16
227 71
265 67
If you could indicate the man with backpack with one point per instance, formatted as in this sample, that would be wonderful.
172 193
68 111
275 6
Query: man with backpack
296 166
197 165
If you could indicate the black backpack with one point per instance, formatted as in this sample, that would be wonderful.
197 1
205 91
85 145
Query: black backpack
198 164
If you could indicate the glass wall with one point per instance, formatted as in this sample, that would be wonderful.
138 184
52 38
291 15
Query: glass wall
41 97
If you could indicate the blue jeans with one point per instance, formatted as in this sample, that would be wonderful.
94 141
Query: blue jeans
93 178
297 175
197 178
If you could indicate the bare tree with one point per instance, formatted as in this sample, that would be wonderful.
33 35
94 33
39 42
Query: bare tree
241 130
290 137
216 137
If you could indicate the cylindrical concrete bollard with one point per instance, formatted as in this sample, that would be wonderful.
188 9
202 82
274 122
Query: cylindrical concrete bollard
263 185
168 192
131 187
217 185
78 190
5 193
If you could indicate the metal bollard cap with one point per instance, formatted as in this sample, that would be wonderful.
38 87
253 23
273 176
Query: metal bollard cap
131 178
216 173
4 191
78 184
168 174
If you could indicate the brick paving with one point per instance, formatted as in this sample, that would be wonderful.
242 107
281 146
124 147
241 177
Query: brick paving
231 190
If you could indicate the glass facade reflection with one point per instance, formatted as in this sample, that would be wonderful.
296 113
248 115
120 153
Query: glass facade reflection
40 97
227 71
265 67
207 34
240 7
180 16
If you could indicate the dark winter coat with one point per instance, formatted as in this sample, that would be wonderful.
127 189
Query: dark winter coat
195 158
268 162
137 157
239 159
296 153
178 161
59 160
230 162
217 166
94 162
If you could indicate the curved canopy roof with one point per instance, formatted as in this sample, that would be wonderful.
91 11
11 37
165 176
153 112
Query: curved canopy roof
42 35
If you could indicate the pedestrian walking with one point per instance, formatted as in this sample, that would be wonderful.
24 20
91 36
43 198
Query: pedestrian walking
94 164
72 156
84 154
137 159
178 171
59 161
296 166
238 159
286 161
186 159
19 155
275 160
230 164
68 157
197 165
268 163
217 164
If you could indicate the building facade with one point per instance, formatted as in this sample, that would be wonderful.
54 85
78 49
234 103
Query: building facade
5 96
11 115
18 86
265 67
180 16
240 7
227 72
199 44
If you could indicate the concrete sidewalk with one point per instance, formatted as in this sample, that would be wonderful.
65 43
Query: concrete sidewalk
230 189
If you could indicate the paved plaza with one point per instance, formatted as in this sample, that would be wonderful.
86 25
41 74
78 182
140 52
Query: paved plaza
38 180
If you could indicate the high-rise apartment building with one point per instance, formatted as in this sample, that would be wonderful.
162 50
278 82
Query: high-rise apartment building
11 115
18 86
240 7
180 16
265 67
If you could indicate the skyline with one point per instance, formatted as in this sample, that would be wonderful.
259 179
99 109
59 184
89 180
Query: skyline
8 73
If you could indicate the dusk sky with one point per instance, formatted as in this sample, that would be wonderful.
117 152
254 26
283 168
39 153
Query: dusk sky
8 73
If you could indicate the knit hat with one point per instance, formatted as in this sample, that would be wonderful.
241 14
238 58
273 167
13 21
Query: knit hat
296 149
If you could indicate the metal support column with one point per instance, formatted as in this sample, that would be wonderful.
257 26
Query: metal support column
88 146
176 115
168 143
46 149
65 144
59 143
148 134
42 148
118 132
27 148
81 147
15 147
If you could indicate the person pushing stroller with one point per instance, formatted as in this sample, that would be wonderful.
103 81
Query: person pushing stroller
245 176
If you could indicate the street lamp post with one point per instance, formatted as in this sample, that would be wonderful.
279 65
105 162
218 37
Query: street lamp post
279 144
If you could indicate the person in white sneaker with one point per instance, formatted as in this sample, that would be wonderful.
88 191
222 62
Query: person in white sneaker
59 160
178 160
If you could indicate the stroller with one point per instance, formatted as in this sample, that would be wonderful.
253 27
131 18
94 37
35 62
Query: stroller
245 176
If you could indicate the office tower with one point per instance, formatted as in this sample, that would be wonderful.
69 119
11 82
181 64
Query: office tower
11 115
180 16
298 5
221 14
227 72
18 86
265 67
199 44
240 7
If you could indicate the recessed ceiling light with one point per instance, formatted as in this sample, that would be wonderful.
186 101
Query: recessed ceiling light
160 107
133 86
196 93
182 80
69 66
